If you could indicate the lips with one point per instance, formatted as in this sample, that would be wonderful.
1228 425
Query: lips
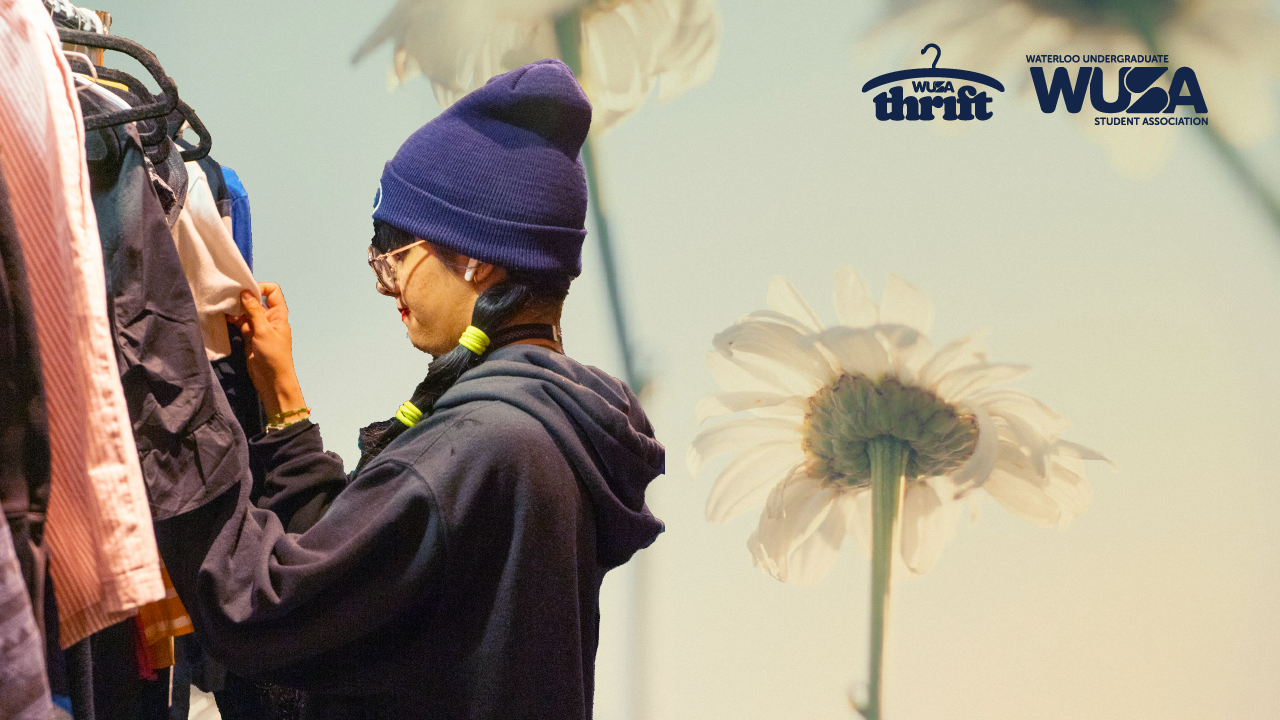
404 313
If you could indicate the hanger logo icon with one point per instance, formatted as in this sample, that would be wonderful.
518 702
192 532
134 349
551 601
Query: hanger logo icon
932 88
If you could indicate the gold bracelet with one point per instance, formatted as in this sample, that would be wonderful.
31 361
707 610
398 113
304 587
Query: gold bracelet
272 419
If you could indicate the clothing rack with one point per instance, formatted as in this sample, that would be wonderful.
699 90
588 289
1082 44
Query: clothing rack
153 107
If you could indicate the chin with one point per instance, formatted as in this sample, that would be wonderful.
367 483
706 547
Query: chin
426 346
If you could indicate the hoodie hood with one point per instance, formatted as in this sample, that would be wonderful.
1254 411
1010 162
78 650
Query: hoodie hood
598 424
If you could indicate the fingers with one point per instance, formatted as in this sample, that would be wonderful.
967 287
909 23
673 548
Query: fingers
274 295
253 309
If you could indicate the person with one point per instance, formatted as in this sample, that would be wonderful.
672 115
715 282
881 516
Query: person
456 572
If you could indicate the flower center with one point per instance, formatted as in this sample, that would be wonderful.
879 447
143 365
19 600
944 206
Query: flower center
855 409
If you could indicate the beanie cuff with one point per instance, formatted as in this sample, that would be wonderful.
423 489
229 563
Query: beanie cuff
510 245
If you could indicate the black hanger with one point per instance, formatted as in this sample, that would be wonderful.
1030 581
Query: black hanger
157 107
206 142
161 104
158 131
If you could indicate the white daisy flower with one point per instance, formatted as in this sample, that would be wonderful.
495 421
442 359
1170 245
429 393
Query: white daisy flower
624 47
823 408
1232 45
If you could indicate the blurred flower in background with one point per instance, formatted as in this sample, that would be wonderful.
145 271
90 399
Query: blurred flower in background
863 428
626 47
814 397
1232 45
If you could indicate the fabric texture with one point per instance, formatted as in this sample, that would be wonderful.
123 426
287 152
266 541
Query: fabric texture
24 425
102 552
161 622
211 262
496 176
181 421
241 222
24 687
457 576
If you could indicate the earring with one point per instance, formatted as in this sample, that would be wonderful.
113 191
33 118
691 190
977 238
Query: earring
471 269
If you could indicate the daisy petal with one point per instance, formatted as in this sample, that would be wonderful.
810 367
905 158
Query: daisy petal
740 374
927 526
779 344
1006 402
1036 446
784 298
734 435
964 382
747 478
908 348
776 318
967 350
860 352
1022 498
854 306
727 403
810 561
860 520
903 304
1084 453
979 465
795 510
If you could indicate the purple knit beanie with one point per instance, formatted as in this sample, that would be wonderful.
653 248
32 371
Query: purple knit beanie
496 176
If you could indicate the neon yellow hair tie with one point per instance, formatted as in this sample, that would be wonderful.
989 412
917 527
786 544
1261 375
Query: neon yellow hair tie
408 414
474 339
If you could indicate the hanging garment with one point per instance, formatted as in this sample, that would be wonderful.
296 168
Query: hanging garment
102 551
211 262
185 430
164 160
160 623
24 688
120 692
24 426
241 224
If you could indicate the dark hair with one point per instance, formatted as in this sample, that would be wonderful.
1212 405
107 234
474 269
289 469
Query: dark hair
495 308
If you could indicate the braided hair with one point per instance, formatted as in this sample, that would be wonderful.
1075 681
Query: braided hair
494 309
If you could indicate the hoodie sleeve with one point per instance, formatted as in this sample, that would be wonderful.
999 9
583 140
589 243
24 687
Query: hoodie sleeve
264 598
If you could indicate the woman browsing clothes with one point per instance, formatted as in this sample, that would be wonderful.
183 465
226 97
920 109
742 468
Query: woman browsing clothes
456 573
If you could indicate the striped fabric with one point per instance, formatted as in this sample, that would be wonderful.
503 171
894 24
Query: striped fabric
102 549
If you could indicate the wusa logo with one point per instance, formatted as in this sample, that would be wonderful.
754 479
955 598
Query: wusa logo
963 103
1136 91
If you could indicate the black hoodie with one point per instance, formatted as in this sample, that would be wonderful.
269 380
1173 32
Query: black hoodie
458 575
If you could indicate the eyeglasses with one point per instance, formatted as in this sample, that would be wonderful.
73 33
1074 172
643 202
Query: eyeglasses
385 269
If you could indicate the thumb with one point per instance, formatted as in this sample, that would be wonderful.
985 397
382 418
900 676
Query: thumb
256 314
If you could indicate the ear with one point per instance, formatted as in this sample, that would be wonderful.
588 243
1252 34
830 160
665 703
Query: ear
481 272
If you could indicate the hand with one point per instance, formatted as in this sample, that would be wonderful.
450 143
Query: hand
269 349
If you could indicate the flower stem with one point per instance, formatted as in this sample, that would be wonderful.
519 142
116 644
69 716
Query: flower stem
888 457
569 36
1247 177
1229 155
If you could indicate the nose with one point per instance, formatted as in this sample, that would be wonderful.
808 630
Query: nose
381 290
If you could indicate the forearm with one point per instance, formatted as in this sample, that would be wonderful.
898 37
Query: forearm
301 478
284 394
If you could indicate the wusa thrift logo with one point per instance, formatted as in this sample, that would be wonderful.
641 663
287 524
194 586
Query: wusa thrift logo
1135 93
952 103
